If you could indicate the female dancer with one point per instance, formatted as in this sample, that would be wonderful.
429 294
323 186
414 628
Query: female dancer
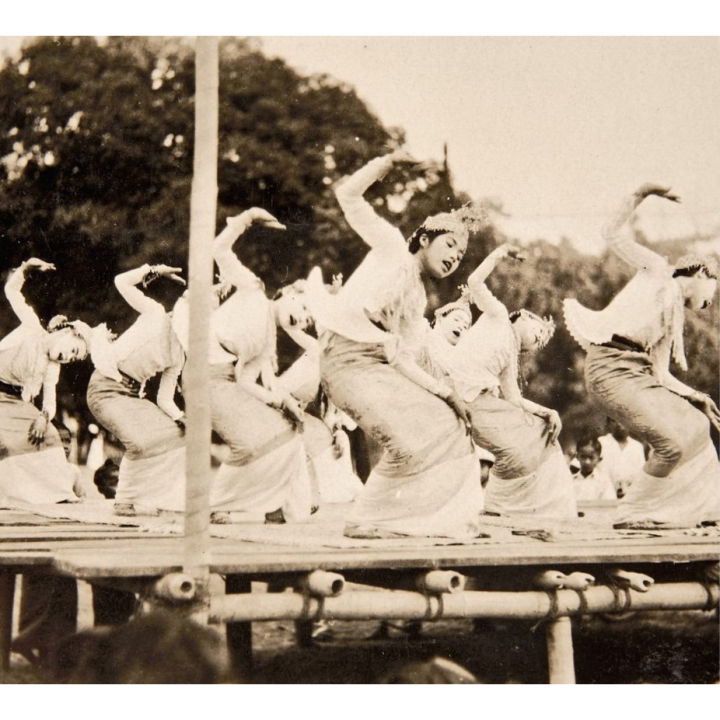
265 476
427 481
152 470
326 444
530 475
33 467
629 345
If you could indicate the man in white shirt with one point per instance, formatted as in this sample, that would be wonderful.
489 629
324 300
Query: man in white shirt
621 455
591 482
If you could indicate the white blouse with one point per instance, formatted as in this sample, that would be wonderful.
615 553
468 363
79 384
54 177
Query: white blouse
242 328
386 287
148 347
487 351
24 360
647 311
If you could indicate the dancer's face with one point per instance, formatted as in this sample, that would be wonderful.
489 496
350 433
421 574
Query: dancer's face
530 331
66 347
291 311
452 326
441 256
699 291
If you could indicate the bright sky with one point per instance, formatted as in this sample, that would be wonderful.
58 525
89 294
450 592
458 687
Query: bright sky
556 128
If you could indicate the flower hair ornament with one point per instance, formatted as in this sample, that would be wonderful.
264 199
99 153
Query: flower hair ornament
80 328
461 222
462 304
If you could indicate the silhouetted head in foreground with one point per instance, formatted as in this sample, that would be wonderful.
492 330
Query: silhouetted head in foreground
436 671
158 648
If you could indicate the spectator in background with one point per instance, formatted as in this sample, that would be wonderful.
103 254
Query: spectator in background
487 460
591 482
66 439
622 457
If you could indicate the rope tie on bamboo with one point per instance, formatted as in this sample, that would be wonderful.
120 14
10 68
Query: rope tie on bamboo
582 597
623 605
711 602
307 600
552 613
429 614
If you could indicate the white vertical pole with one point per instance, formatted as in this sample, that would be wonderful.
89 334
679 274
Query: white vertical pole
196 379
561 664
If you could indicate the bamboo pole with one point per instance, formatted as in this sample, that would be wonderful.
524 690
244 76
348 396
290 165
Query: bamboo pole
7 596
404 605
203 203
561 663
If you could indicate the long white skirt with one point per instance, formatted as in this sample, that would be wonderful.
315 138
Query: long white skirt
427 482
548 492
266 468
688 496
333 477
30 473
152 470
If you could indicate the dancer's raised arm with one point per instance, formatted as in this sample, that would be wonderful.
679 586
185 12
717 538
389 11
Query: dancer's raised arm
231 269
13 291
360 215
626 248
485 301
127 282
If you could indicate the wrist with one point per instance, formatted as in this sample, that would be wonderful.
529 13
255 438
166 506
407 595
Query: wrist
444 391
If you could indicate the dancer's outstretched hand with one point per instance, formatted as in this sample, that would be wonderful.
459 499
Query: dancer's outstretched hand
459 406
655 189
402 155
38 428
290 407
254 216
554 425
38 264
710 409
511 251
167 271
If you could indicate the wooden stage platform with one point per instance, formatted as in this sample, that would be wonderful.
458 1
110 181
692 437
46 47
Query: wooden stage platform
90 543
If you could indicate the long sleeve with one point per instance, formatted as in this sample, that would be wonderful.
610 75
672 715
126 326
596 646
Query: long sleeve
405 363
626 248
231 269
52 375
166 392
361 217
126 284
660 356
13 292
485 301
509 384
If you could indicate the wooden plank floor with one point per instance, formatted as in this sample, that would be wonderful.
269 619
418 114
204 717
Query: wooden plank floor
91 550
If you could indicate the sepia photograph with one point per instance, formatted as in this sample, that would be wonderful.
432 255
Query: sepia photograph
359 359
